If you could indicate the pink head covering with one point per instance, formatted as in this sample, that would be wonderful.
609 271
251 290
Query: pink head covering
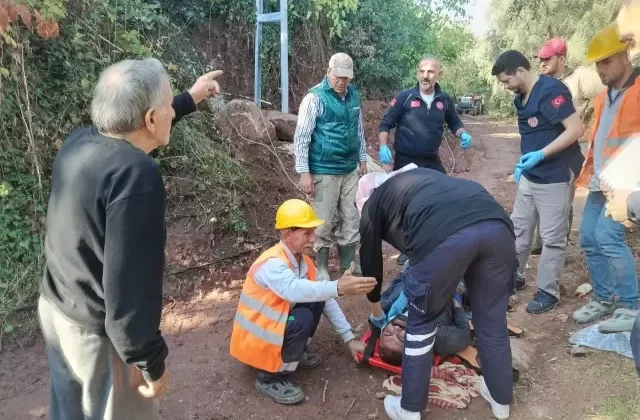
373 180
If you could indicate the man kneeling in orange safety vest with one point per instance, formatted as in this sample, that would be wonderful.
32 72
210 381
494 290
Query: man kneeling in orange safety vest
281 305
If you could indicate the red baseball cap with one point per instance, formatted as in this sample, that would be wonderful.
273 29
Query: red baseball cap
554 46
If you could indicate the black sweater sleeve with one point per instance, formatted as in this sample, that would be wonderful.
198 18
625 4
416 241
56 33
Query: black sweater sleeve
132 279
371 249
183 105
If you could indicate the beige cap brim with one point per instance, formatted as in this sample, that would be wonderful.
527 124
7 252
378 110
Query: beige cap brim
342 72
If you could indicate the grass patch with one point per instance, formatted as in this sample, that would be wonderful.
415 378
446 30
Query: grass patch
625 407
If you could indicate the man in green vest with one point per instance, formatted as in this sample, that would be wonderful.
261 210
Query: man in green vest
330 148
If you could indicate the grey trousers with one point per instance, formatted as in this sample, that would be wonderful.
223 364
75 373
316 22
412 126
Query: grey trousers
87 378
551 203
336 194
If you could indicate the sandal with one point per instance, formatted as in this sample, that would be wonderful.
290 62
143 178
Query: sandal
283 391
515 331
622 321
310 360
592 311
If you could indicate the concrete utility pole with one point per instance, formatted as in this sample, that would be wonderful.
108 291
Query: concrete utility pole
275 17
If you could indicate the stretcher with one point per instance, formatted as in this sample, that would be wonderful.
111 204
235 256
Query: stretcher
372 356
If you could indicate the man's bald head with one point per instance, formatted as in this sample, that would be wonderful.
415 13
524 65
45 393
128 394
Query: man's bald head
428 58
428 73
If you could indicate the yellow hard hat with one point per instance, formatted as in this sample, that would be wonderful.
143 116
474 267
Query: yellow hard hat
605 43
296 214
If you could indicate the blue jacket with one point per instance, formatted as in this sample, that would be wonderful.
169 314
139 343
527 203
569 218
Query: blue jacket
419 129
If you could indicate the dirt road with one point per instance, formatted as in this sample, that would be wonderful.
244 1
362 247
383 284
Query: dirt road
208 384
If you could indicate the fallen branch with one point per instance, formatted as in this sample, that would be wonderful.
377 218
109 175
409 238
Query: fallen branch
350 407
324 393
216 261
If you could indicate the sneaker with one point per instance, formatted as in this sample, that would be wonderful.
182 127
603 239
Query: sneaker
500 411
521 282
622 321
542 302
281 391
593 311
396 412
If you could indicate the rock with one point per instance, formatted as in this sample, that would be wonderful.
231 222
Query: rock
241 119
285 124
381 395
580 351
563 317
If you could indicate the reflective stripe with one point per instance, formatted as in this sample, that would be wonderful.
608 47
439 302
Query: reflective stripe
420 351
411 337
257 331
263 309
289 367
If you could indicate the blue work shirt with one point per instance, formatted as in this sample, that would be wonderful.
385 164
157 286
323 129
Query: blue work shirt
540 123
419 127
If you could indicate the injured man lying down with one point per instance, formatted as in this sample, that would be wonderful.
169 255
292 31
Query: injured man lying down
452 335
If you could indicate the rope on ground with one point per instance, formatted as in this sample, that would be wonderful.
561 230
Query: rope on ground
453 156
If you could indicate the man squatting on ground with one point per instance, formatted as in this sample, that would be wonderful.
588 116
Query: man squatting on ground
629 31
583 83
451 229
281 305
418 116
549 129
330 149
101 295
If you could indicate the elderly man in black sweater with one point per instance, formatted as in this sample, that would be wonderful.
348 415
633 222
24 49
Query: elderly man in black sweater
450 228
101 296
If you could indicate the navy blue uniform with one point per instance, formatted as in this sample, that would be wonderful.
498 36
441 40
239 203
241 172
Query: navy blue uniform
540 123
451 228
419 128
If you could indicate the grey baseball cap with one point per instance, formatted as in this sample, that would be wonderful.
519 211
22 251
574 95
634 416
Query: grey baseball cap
341 65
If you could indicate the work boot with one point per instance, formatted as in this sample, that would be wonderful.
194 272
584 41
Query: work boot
322 264
542 302
500 411
347 255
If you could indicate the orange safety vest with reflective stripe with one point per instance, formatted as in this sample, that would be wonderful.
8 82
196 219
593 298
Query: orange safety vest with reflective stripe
625 128
258 328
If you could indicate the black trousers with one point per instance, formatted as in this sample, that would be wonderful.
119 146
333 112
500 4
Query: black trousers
301 326
484 253
434 162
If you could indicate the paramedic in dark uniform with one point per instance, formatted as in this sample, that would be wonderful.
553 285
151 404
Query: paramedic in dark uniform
419 116
450 228
551 159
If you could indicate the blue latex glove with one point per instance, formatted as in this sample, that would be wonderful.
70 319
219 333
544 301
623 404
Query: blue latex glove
457 296
530 160
398 307
378 322
465 140
517 174
385 154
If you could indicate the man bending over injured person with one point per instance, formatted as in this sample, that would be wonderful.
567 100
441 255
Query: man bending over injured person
452 335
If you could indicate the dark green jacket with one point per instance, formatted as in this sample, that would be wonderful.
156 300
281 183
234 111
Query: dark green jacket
335 144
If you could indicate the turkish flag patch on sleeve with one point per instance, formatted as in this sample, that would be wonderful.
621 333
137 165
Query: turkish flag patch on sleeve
558 101
393 102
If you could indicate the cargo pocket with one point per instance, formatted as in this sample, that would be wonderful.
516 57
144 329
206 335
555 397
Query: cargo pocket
416 290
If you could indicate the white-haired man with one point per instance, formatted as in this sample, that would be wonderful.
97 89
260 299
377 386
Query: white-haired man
101 295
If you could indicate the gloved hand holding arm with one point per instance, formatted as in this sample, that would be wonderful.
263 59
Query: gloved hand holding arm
385 154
